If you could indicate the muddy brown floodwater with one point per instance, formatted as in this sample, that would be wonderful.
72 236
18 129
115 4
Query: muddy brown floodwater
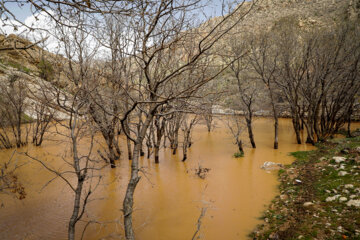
169 197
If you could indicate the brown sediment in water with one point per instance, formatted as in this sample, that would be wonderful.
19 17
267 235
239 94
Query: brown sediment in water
169 197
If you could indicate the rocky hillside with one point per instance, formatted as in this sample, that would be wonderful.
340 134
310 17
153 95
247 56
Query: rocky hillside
263 15
309 12
24 61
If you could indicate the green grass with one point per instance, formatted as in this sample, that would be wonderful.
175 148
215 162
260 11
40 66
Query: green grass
301 156
238 154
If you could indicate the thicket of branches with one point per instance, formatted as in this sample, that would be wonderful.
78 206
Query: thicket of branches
135 68
145 71
310 75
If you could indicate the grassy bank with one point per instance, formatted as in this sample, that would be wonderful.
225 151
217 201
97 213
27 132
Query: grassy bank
319 195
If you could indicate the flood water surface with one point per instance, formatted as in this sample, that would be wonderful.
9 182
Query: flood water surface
169 196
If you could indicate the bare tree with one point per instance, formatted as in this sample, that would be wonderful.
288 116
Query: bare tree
170 53
75 103
159 123
318 75
236 126
167 54
44 116
149 140
294 57
212 94
264 60
248 89
172 130
331 82
13 105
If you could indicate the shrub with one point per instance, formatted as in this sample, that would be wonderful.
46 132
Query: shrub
46 70
238 154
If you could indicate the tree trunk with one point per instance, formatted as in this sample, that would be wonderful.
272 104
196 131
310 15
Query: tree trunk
184 152
164 143
76 210
240 146
349 128
129 148
156 153
142 153
184 156
134 179
349 121
310 137
296 125
148 152
208 119
251 135
112 158
116 145
276 125
18 135
129 196
298 138
176 140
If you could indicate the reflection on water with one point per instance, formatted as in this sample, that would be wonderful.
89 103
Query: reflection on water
169 197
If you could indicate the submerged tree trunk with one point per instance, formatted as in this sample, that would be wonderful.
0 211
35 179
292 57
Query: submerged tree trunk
348 134
276 120
276 123
296 125
240 146
160 130
186 143
310 136
148 152
209 119
142 153
129 196
156 154
349 113
184 154
5 140
276 140
176 142
112 156
250 131
134 179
